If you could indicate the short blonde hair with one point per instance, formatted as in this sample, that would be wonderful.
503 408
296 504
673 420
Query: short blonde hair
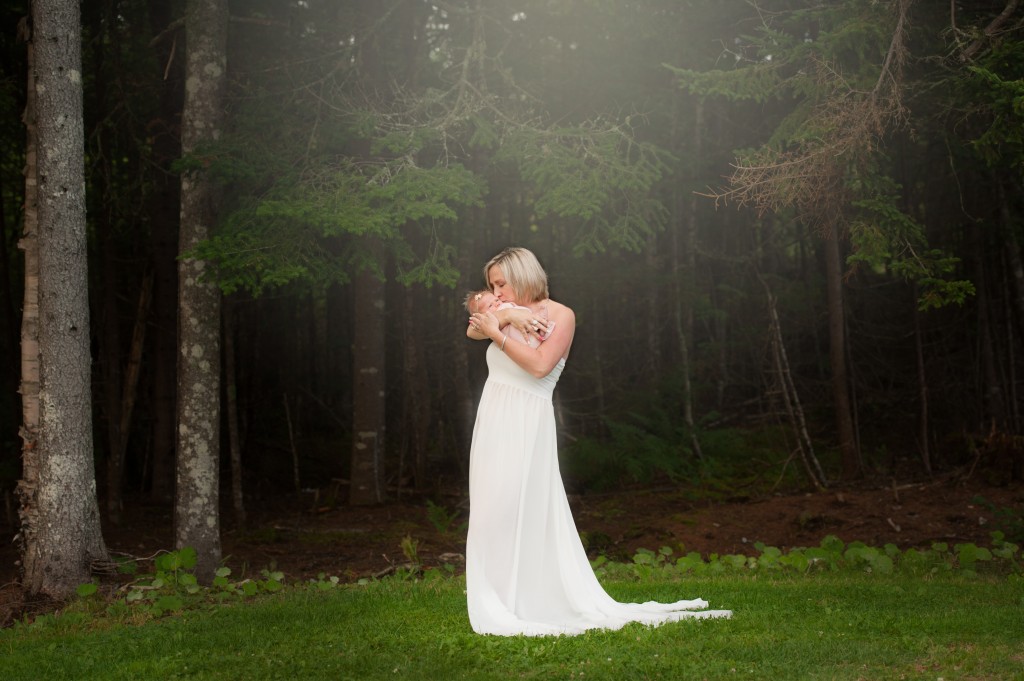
523 272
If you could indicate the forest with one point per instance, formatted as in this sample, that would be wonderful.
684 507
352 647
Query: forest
237 238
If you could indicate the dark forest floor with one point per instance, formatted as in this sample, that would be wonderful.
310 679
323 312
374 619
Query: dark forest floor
303 540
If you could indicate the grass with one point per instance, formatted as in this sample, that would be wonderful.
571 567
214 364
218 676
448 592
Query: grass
843 625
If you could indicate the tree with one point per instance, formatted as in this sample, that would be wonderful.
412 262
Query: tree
60 515
196 513
843 68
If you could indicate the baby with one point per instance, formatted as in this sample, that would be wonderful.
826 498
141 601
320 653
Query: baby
485 301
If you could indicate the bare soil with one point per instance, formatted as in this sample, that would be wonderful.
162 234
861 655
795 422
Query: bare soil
304 539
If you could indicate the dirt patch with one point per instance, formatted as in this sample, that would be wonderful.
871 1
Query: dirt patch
304 540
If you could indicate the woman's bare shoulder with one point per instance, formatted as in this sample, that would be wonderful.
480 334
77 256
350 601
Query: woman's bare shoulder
557 310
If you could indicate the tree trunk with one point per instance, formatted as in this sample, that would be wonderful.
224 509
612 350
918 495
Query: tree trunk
163 204
368 371
29 389
995 409
10 368
128 392
416 393
112 378
790 396
653 333
106 323
849 457
690 288
196 516
164 396
923 444
1011 245
464 414
234 432
65 539
10 354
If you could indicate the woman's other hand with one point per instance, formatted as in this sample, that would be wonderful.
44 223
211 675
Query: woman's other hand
528 323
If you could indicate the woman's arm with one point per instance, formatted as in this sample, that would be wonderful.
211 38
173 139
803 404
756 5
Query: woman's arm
519 317
541 360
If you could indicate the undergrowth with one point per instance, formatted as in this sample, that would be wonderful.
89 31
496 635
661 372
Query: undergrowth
833 611
172 587
832 555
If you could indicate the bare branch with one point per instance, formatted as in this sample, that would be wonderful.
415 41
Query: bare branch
843 131
990 31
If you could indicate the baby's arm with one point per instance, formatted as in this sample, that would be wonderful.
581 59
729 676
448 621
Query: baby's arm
537 361
513 333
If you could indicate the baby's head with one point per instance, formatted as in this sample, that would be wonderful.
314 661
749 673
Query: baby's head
481 301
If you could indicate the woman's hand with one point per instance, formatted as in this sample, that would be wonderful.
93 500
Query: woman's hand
540 360
486 323
528 323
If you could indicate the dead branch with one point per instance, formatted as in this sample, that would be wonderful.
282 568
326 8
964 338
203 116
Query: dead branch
846 129
990 31
790 396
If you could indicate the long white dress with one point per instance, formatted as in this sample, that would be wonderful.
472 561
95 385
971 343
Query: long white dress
526 569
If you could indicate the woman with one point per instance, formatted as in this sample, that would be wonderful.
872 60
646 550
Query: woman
526 569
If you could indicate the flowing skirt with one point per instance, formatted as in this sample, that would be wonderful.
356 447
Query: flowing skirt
526 569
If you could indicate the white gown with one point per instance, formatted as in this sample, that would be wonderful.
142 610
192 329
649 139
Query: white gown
526 569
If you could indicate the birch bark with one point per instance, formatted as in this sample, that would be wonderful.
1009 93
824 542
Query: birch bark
196 515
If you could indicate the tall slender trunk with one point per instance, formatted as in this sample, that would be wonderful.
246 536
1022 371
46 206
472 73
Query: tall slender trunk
684 284
110 352
597 343
790 396
690 278
29 244
923 444
369 404
65 539
11 365
196 513
162 209
10 355
128 393
231 395
416 393
165 303
654 302
995 412
1012 249
108 327
369 356
461 426
849 456
1013 411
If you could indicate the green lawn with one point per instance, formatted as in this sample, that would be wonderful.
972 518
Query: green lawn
847 625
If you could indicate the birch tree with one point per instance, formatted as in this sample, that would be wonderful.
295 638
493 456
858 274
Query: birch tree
196 517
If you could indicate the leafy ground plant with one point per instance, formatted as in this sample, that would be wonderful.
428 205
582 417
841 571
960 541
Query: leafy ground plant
948 612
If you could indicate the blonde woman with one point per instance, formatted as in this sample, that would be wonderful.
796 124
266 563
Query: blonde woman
526 569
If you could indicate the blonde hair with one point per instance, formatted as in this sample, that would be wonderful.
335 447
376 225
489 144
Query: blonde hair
523 272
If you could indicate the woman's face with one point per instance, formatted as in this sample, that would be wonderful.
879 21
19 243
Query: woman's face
502 289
